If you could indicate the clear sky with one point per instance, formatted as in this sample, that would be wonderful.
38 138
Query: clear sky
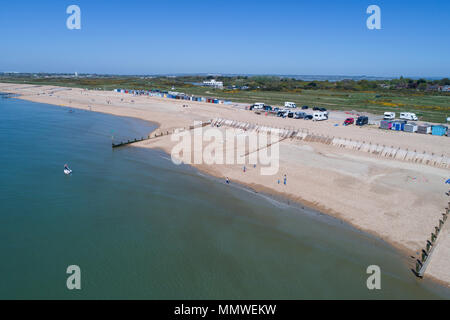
314 37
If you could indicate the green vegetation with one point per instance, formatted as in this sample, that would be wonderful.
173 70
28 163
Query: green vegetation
377 96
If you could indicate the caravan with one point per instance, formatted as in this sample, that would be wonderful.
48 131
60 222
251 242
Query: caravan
408 116
290 105
389 115
320 116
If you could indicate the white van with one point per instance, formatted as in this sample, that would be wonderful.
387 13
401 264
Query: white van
319 116
290 105
389 115
258 106
408 116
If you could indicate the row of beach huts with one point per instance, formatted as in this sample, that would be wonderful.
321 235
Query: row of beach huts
172 95
402 125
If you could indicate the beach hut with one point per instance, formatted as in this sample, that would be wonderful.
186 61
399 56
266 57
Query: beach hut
425 129
398 126
438 130
386 125
410 127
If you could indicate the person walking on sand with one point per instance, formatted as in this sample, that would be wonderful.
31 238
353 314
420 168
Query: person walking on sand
244 169
228 181
285 180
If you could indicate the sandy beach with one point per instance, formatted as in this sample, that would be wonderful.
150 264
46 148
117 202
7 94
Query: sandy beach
398 201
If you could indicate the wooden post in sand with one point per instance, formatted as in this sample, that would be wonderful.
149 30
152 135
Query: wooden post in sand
433 238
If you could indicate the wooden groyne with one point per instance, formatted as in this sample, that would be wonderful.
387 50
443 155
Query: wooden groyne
126 143
158 134
391 152
425 255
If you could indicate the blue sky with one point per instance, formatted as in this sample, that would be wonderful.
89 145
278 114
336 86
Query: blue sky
324 37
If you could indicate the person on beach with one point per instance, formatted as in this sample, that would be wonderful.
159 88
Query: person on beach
244 169
228 181
285 179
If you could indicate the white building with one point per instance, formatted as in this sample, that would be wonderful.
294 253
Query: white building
213 83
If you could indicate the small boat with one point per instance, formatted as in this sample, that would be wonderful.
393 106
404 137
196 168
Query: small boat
67 170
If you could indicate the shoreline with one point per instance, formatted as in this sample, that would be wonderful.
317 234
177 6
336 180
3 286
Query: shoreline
299 202
324 215
255 187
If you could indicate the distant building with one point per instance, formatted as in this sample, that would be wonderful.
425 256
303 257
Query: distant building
445 88
214 84
433 87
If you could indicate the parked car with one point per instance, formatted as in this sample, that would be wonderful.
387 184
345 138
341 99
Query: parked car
362 120
258 106
267 108
323 109
308 117
300 115
305 107
349 121
316 109
281 113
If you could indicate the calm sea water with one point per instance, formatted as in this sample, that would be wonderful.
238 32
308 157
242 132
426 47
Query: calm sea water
140 227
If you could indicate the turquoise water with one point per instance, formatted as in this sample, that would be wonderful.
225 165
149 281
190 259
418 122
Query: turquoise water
140 227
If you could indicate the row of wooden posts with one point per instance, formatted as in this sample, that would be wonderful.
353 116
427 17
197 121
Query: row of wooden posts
392 152
156 134
425 255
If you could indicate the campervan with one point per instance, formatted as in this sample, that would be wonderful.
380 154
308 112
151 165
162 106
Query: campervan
408 116
290 105
319 116
389 115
